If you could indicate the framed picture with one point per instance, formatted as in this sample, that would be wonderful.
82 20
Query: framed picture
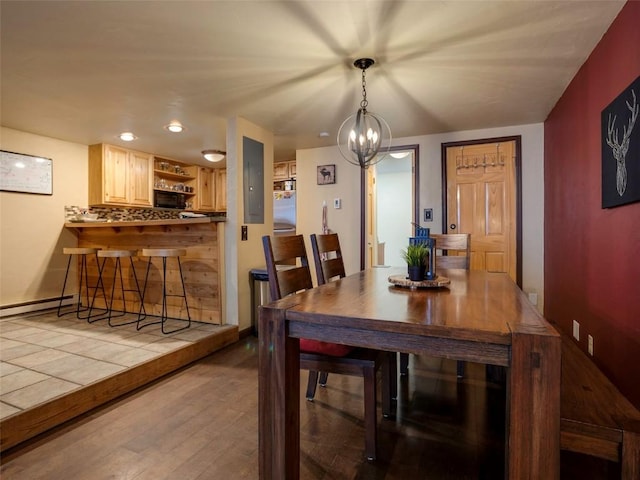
326 174
620 128
25 173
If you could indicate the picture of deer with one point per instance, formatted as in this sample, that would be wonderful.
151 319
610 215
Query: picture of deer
326 174
620 148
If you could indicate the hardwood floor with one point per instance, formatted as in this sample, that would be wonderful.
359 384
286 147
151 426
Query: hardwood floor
201 423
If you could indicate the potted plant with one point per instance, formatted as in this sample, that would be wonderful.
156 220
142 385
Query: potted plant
416 257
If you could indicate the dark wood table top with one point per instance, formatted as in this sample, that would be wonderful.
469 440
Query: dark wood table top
476 306
480 316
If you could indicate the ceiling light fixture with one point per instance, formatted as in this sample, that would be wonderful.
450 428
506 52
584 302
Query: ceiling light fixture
127 137
213 155
175 127
399 154
361 135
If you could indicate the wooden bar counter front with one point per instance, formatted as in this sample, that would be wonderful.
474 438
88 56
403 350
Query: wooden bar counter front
202 238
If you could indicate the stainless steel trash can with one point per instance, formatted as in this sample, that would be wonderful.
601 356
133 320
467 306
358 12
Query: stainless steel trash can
259 281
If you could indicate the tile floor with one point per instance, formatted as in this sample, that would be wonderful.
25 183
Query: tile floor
43 356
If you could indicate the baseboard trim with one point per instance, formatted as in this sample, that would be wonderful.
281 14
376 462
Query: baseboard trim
36 305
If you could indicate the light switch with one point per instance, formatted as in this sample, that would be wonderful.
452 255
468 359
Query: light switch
337 203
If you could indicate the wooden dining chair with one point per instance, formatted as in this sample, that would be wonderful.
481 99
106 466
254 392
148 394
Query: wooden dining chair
453 250
327 258
318 356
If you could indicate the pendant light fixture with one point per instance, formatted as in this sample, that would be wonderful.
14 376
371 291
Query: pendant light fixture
361 136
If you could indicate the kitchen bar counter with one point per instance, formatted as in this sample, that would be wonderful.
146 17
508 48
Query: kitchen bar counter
202 267
146 223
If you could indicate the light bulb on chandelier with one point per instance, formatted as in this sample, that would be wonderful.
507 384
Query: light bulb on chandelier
361 135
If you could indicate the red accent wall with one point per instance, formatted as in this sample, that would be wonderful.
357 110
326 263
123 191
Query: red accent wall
592 255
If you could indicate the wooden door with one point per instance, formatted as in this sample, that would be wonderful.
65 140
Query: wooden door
116 175
481 200
141 179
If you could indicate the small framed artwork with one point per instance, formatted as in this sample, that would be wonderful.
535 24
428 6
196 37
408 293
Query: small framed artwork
326 174
621 148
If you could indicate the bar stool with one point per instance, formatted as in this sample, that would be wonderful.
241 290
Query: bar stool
117 255
164 253
84 282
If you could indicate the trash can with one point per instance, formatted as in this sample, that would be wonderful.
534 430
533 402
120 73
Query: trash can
259 281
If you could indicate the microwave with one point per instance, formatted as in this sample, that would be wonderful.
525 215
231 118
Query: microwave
163 199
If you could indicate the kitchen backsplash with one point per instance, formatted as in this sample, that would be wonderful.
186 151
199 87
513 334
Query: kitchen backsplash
123 214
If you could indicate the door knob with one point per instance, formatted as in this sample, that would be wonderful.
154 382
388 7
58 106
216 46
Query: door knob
452 226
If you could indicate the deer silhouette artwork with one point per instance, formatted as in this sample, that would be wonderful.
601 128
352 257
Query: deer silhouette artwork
326 175
619 149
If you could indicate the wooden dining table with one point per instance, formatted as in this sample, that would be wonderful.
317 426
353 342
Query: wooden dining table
479 317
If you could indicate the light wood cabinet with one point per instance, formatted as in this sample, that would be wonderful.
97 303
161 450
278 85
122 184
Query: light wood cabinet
123 177
118 176
280 171
284 171
205 190
140 175
221 190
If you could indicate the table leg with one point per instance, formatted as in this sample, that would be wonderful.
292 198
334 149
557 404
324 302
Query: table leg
278 398
533 408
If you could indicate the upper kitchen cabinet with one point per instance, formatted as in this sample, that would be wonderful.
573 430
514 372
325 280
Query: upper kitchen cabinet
118 176
284 170
211 193
221 189
205 199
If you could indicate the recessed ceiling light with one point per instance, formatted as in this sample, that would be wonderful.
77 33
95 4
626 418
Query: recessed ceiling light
175 127
399 154
213 155
127 137
323 134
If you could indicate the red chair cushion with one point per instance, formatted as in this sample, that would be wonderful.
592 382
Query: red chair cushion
324 348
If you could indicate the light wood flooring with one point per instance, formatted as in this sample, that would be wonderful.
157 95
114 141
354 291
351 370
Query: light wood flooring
201 423
53 368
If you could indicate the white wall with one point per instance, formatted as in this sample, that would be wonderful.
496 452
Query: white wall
242 256
346 222
32 236
310 196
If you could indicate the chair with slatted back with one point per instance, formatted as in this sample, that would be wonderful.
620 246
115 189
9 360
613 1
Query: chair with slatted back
453 250
322 356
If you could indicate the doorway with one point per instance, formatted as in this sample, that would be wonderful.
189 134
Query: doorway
482 197
391 205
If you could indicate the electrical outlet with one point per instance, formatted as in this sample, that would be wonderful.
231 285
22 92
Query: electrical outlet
244 235
428 214
533 298
576 330
590 346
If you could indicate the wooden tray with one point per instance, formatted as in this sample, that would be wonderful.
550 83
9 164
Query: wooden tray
403 281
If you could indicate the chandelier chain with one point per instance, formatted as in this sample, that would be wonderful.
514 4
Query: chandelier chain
364 103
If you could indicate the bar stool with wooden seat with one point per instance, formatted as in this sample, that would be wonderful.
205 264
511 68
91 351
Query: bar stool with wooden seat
117 256
164 253
82 253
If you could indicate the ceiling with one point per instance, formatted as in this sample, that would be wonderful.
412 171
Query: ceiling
86 71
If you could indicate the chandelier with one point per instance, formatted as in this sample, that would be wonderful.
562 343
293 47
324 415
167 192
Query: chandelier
361 135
